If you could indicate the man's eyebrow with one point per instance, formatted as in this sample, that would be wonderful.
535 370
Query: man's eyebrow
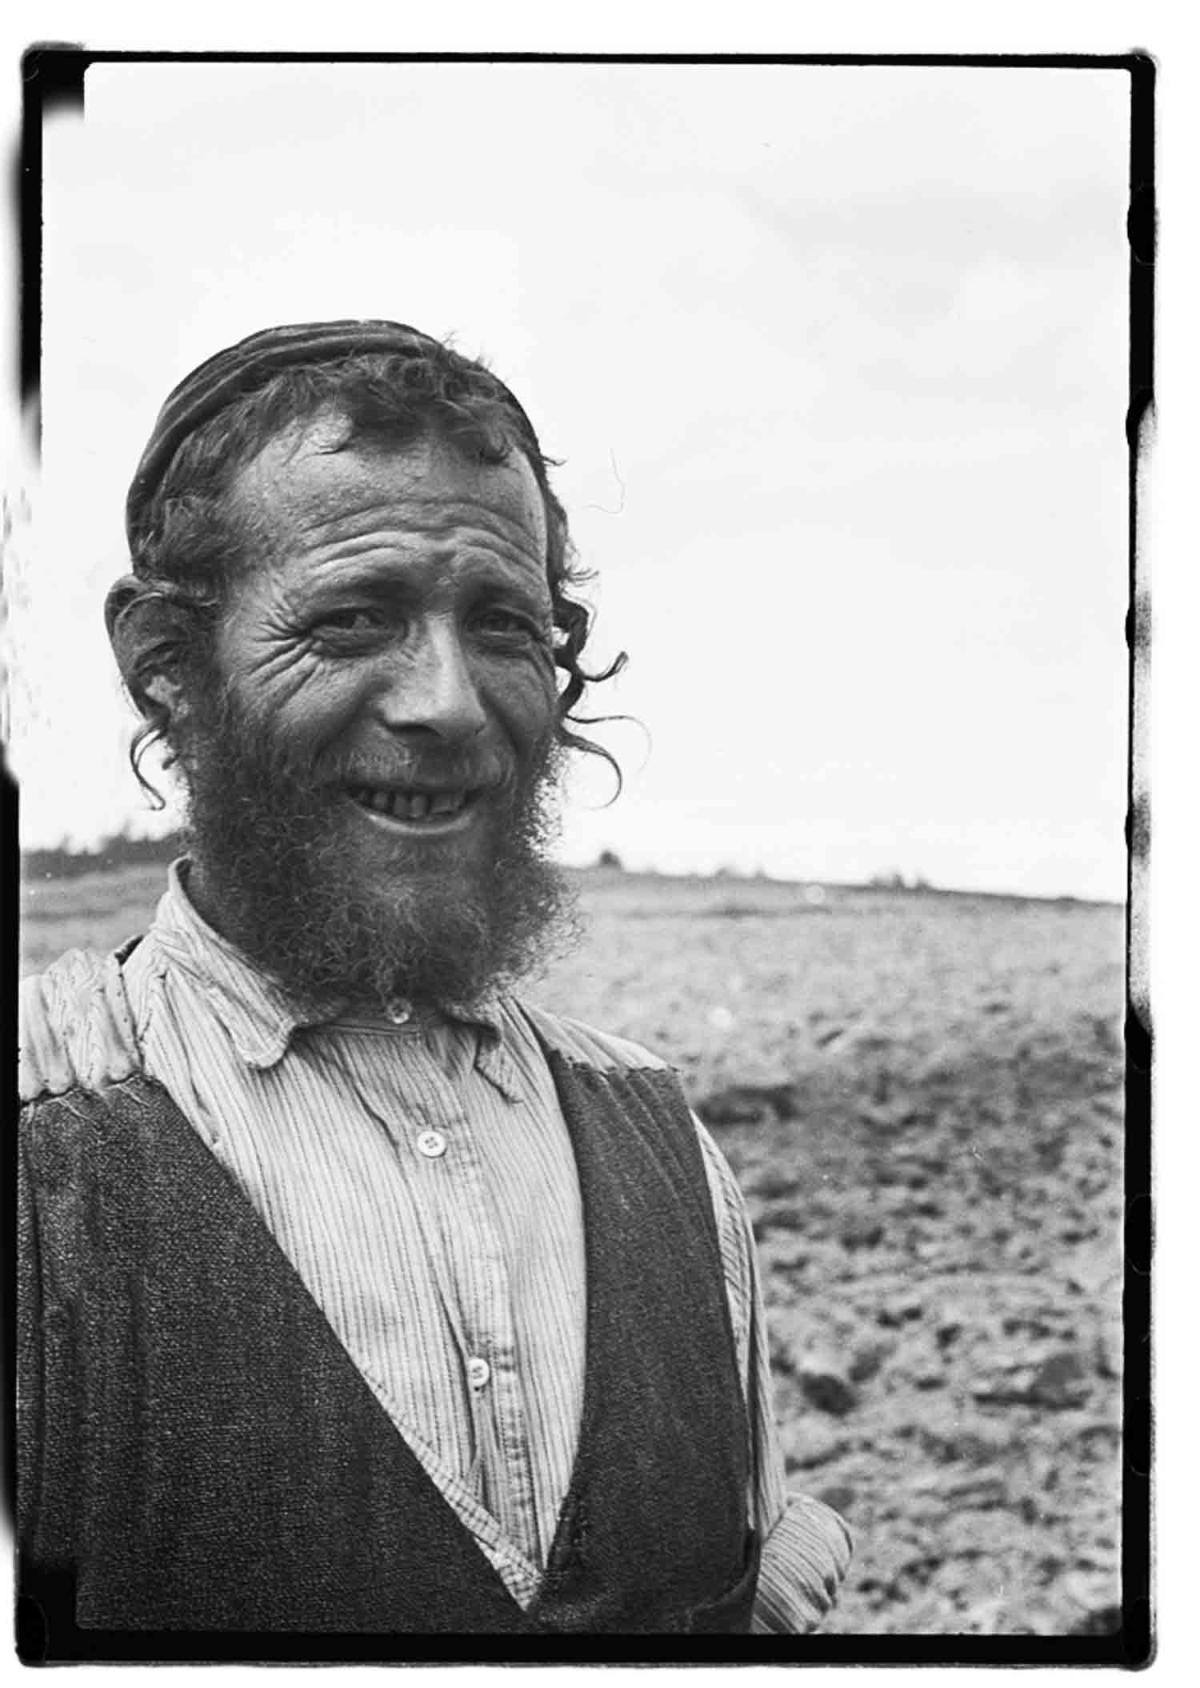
357 576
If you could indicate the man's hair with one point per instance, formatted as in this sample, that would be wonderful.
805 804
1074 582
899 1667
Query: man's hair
190 548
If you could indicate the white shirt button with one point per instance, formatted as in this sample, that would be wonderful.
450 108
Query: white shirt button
431 1144
399 1011
478 1372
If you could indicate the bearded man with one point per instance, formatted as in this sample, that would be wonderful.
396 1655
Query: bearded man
357 1295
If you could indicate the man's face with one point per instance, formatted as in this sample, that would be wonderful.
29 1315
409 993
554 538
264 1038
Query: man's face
387 718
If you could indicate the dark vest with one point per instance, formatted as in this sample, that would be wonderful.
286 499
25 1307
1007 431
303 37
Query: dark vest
198 1452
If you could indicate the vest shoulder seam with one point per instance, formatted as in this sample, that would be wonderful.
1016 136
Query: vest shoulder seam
586 1046
77 1028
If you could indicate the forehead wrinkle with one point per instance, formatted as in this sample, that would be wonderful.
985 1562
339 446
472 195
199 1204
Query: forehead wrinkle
444 512
285 506
447 547
370 564
406 564
513 503
433 520
443 544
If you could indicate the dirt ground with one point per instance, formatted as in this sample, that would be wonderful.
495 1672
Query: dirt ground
922 1098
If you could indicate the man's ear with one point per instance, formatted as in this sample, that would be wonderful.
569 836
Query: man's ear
149 633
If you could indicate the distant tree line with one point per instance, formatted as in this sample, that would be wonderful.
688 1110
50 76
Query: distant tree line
118 850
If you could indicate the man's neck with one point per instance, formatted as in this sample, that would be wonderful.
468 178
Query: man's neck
199 893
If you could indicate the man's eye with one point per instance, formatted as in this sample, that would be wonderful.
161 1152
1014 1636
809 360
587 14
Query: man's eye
505 624
348 621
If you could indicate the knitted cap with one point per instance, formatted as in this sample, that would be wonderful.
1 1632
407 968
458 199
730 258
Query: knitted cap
251 363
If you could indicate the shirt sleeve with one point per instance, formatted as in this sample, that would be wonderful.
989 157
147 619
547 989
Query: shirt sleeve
806 1546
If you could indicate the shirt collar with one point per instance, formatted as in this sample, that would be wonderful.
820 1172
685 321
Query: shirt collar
260 1016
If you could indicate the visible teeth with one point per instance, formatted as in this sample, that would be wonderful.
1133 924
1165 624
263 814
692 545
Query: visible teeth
409 806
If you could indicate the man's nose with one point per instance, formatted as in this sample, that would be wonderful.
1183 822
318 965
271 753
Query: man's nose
431 686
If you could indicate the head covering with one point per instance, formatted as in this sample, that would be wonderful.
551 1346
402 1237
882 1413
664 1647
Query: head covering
250 364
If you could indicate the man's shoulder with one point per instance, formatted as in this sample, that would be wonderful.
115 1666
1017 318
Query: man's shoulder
586 1046
76 1030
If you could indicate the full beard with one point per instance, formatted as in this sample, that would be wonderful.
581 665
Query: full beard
280 881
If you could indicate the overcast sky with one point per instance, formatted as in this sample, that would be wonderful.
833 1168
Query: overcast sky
835 360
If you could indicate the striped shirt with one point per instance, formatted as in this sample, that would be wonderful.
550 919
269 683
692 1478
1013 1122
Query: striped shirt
417 1172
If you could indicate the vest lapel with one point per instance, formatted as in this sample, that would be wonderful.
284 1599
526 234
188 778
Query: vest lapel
652 1531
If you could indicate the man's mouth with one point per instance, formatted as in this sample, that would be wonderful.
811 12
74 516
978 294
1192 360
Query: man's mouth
413 804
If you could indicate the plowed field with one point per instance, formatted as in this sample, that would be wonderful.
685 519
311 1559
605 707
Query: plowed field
922 1098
